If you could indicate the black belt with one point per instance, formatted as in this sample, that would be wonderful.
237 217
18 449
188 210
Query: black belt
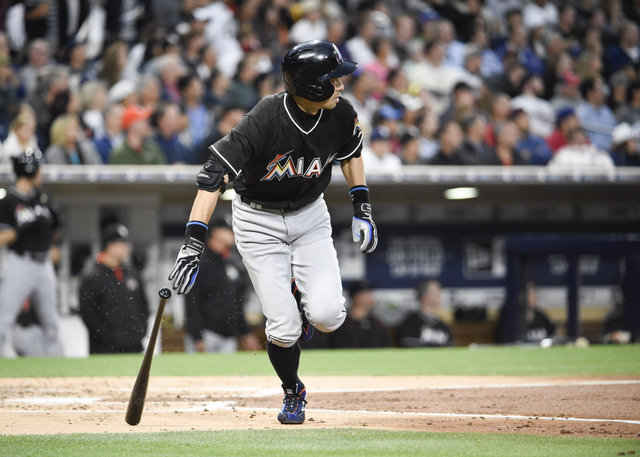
262 207
37 256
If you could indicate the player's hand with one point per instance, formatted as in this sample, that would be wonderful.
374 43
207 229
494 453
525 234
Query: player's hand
187 266
363 228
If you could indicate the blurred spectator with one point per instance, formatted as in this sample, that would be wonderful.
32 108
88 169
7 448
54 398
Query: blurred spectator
509 82
473 149
410 142
429 144
595 116
166 121
38 56
539 13
450 139
462 104
532 148
214 308
242 91
540 111
505 152
68 145
360 87
312 26
566 92
616 95
199 119
93 95
138 148
358 47
566 121
125 92
625 52
112 137
22 135
47 100
580 156
625 145
227 120
434 75
378 157
630 111
149 91
113 304
380 66
113 63
490 63
516 50
10 94
499 111
29 225
361 329
170 69
80 69
423 327
455 50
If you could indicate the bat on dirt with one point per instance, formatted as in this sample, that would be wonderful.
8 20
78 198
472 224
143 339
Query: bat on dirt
139 392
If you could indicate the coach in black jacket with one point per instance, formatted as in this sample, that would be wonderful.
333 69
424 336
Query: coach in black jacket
113 304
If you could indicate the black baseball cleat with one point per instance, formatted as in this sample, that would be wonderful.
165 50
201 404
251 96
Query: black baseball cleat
307 328
293 405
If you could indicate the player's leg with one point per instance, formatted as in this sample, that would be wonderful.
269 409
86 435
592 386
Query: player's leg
45 301
315 267
16 283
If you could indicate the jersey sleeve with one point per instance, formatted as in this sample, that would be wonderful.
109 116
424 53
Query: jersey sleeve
7 214
234 149
352 146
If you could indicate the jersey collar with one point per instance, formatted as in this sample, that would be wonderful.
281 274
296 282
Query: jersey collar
286 108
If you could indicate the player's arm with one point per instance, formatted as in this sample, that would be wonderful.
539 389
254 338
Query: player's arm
8 236
211 181
363 229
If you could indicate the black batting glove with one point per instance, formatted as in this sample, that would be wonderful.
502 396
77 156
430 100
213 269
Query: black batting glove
187 265
363 228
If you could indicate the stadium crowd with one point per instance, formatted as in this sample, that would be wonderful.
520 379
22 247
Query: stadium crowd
493 82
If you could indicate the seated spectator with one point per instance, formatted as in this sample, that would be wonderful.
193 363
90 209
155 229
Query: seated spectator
595 116
10 94
378 156
360 329
505 152
113 304
566 121
22 135
538 326
450 137
532 148
242 91
630 111
214 307
112 137
227 120
423 327
580 156
93 95
474 150
312 25
429 144
68 145
198 116
410 142
138 147
540 111
462 104
166 121
626 146
498 112
566 93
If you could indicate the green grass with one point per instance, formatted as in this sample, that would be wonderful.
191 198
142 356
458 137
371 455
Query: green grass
566 360
321 443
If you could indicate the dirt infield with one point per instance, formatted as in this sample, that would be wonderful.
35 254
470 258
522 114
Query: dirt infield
533 405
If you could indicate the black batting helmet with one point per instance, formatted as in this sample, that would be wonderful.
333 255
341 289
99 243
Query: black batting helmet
27 163
307 69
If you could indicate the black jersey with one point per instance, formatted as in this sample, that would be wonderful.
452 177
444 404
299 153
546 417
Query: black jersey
281 157
34 217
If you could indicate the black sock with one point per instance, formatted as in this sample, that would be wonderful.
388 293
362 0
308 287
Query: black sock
285 361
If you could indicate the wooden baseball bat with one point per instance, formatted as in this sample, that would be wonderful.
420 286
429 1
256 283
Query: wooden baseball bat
139 392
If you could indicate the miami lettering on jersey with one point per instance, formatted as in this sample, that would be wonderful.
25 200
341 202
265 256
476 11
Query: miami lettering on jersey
283 166
29 214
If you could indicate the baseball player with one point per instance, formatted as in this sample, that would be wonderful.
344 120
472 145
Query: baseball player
279 158
28 222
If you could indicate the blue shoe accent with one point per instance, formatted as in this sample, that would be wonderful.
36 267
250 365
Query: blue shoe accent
293 405
307 328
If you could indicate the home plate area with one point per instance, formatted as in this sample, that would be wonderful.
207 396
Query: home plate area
584 406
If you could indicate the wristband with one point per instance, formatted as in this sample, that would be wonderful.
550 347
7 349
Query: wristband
359 195
196 230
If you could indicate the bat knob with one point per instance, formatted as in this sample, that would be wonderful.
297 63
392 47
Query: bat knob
165 293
